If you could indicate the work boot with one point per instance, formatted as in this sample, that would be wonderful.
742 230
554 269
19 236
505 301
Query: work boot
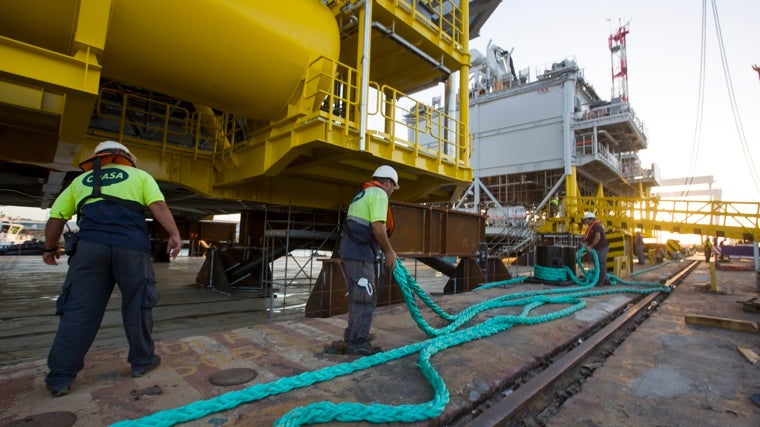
337 347
58 392
364 350
141 371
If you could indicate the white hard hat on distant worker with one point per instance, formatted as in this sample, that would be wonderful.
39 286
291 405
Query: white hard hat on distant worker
589 215
386 171
115 147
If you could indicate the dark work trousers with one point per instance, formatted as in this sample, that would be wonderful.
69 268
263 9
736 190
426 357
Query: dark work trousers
602 255
640 255
93 271
361 306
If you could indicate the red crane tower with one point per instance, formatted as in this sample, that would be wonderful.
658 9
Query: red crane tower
616 42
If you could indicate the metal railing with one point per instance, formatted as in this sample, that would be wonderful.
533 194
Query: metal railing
585 147
441 16
430 131
390 113
333 87
740 220
166 122
330 91
612 110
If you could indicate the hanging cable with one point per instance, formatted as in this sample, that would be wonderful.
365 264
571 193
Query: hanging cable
732 98
700 105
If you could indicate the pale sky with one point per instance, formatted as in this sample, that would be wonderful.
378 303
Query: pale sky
663 51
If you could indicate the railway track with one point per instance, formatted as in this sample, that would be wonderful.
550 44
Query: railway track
533 398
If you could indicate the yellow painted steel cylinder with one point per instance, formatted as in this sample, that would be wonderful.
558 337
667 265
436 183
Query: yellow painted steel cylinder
242 56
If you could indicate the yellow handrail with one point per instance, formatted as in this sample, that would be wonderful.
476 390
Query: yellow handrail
739 220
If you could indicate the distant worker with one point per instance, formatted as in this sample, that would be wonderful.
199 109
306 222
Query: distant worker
659 255
708 249
720 250
595 238
716 248
554 207
638 246
113 247
366 230
198 246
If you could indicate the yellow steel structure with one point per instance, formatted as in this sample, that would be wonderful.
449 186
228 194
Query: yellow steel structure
736 220
264 101
252 69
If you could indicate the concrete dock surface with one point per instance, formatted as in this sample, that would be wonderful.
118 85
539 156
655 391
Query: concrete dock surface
670 373
666 373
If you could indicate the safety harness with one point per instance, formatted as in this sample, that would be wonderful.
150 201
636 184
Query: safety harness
587 234
106 157
359 236
94 163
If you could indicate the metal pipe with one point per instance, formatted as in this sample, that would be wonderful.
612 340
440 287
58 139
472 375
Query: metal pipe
464 92
568 117
364 43
449 106
439 264
414 49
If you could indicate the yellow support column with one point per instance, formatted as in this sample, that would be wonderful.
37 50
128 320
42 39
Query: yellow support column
713 283
571 193
464 93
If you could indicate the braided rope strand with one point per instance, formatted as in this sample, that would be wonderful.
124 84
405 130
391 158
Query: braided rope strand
568 300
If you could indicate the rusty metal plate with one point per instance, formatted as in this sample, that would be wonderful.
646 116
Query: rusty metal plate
426 231
46 419
234 376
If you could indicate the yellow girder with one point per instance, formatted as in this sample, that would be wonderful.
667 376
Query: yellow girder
238 143
737 220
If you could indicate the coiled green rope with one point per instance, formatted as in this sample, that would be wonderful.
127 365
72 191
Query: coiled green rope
551 274
443 338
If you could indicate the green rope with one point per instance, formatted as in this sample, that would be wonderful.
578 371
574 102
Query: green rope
551 274
443 338
590 277
655 267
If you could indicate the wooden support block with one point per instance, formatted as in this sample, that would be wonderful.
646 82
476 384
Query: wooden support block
748 354
720 322
621 268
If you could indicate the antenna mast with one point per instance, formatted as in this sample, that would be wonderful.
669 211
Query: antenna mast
619 63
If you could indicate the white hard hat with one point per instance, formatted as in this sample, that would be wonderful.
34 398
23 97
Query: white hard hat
589 215
113 145
386 171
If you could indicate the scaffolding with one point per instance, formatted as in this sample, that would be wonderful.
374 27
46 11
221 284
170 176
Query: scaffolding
296 241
